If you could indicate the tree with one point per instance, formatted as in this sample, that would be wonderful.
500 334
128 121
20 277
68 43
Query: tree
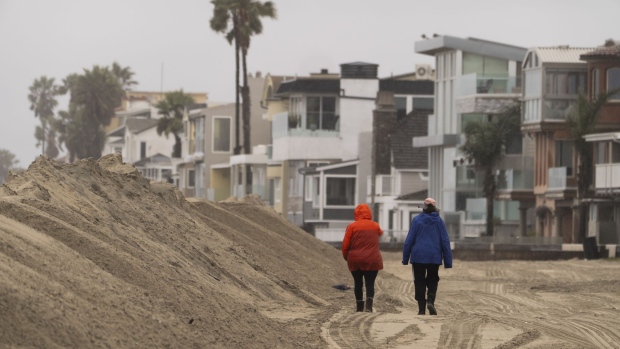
42 99
7 161
172 107
485 143
124 76
582 118
250 13
94 96
225 21
240 20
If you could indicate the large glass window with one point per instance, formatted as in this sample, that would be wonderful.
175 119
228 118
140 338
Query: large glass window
340 191
473 63
401 107
221 134
613 82
564 155
563 83
321 113
423 103
191 178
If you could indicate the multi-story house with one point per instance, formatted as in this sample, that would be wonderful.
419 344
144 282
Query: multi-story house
553 79
227 174
135 137
604 75
475 80
320 161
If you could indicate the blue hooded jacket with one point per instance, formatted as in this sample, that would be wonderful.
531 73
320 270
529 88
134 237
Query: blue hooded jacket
427 241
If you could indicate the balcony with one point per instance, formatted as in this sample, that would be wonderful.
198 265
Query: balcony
294 125
479 94
477 84
515 184
384 185
303 143
607 178
557 178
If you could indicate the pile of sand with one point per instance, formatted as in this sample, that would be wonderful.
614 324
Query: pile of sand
94 255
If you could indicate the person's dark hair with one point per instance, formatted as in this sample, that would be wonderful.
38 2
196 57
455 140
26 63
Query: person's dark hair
430 208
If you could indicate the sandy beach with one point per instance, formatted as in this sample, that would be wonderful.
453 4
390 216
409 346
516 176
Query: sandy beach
92 255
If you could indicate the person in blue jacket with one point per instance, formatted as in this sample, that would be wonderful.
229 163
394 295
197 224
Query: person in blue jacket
427 243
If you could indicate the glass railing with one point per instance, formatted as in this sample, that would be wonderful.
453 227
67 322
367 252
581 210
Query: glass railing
515 179
384 185
607 176
557 178
556 109
295 125
468 178
472 84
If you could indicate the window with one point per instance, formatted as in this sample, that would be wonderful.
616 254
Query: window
191 178
563 83
595 83
221 134
316 191
564 155
277 191
473 63
295 110
423 103
321 113
613 82
401 107
142 150
340 191
515 147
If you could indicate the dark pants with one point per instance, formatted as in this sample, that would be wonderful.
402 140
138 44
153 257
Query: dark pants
425 276
364 276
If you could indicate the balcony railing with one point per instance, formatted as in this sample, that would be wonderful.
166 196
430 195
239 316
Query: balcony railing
515 180
384 185
293 125
607 176
472 84
557 178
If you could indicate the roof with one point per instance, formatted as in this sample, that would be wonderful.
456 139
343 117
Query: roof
560 54
487 48
415 124
409 87
154 159
309 85
415 196
611 50
138 125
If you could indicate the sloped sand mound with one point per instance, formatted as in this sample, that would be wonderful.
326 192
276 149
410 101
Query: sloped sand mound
93 255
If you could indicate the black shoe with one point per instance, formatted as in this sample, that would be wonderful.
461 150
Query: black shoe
430 304
422 307
369 305
360 306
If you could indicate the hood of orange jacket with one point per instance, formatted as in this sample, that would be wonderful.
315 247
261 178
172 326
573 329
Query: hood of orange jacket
362 211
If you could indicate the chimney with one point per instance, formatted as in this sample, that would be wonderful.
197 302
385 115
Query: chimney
259 74
324 71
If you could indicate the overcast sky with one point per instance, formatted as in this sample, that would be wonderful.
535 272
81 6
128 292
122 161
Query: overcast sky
59 37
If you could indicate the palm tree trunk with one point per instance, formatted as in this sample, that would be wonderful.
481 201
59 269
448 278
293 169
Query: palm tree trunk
176 153
245 94
237 149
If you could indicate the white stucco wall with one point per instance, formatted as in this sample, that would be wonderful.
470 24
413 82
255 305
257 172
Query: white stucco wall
154 144
356 118
306 148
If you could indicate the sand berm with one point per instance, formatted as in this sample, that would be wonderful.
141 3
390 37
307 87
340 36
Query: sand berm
93 255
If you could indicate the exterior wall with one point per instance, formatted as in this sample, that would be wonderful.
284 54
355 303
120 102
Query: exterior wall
154 144
412 182
364 168
220 183
308 148
356 110
274 172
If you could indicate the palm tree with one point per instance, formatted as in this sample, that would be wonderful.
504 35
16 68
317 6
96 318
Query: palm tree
225 20
94 97
7 161
240 20
42 99
582 118
124 76
485 143
172 107
250 14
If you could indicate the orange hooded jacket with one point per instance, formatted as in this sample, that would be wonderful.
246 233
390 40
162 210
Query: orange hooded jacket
360 247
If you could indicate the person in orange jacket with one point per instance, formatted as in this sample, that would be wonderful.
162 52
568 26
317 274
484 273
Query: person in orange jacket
360 248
